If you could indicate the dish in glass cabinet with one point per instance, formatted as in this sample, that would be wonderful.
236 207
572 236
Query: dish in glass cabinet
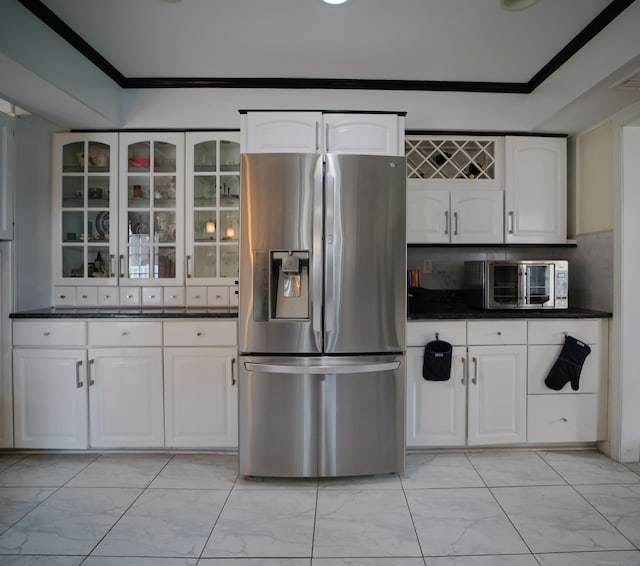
102 223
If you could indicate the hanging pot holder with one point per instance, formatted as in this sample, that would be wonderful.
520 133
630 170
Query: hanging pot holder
568 366
437 361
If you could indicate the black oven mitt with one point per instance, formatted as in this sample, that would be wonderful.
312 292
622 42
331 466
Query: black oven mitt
568 366
436 365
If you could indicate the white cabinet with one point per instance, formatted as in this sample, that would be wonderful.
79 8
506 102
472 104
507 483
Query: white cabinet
84 241
454 190
200 384
49 384
567 415
439 216
317 132
212 211
436 410
535 189
126 398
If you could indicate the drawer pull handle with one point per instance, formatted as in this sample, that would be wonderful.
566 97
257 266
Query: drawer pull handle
83 296
199 333
499 333
46 333
124 333
474 379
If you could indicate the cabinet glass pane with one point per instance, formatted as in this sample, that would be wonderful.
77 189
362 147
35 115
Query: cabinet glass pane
229 156
99 220
164 264
139 157
73 229
165 227
164 192
138 191
72 191
73 158
139 224
229 190
204 191
98 192
139 252
204 225
229 261
204 156
204 264
229 225
164 155
73 261
98 160
98 265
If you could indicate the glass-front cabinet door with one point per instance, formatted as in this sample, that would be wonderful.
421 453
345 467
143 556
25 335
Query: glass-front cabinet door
213 207
85 180
151 209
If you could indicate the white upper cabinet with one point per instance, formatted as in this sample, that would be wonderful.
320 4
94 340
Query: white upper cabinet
7 171
535 190
316 132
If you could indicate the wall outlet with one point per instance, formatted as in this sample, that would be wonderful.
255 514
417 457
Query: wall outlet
426 266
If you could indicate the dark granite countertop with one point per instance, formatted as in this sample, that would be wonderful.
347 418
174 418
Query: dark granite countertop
148 312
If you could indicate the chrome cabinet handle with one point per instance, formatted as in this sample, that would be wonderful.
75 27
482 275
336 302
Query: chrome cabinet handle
455 223
112 262
188 266
124 333
446 222
46 332
199 333
317 136
464 371
79 383
233 371
121 258
90 372
510 222
326 138
474 379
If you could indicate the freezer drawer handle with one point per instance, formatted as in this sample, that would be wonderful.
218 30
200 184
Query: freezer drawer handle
321 369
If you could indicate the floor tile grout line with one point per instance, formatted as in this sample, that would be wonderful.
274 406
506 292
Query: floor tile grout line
315 519
413 523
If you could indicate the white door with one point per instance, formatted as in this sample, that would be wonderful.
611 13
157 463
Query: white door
536 190
50 398
497 394
427 215
364 134
436 410
126 397
477 217
281 132
200 398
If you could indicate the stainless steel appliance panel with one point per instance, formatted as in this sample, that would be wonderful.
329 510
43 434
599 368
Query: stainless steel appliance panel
281 220
321 416
365 254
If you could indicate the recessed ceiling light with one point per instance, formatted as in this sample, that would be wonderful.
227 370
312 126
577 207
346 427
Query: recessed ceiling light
514 5
336 2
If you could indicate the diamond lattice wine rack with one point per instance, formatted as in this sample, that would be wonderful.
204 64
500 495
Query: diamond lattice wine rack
450 159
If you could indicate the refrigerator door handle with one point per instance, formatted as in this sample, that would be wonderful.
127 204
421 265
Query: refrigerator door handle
316 261
322 369
329 315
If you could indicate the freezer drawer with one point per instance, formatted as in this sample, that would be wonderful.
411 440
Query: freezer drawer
321 417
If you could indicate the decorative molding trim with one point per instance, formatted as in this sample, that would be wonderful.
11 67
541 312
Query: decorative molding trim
604 18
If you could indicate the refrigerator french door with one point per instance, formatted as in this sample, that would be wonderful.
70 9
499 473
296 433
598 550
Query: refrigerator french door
322 315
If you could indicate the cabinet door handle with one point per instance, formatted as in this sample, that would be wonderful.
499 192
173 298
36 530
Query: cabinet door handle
455 223
464 371
79 383
188 267
317 136
446 222
326 138
112 262
474 379
120 266
510 222
90 372
233 371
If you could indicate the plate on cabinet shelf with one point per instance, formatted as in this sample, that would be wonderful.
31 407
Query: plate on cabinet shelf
102 223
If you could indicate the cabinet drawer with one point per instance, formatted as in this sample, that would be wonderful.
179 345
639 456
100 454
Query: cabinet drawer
200 333
125 333
553 331
49 333
454 332
483 332
563 418
540 360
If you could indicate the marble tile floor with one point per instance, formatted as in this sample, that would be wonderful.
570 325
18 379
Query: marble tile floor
502 508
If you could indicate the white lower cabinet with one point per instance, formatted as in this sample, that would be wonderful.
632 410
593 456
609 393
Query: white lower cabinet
126 398
123 383
50 398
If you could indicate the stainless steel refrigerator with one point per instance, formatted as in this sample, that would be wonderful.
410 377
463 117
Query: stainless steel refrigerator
322 313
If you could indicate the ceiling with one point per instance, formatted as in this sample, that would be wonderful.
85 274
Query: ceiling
437 41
